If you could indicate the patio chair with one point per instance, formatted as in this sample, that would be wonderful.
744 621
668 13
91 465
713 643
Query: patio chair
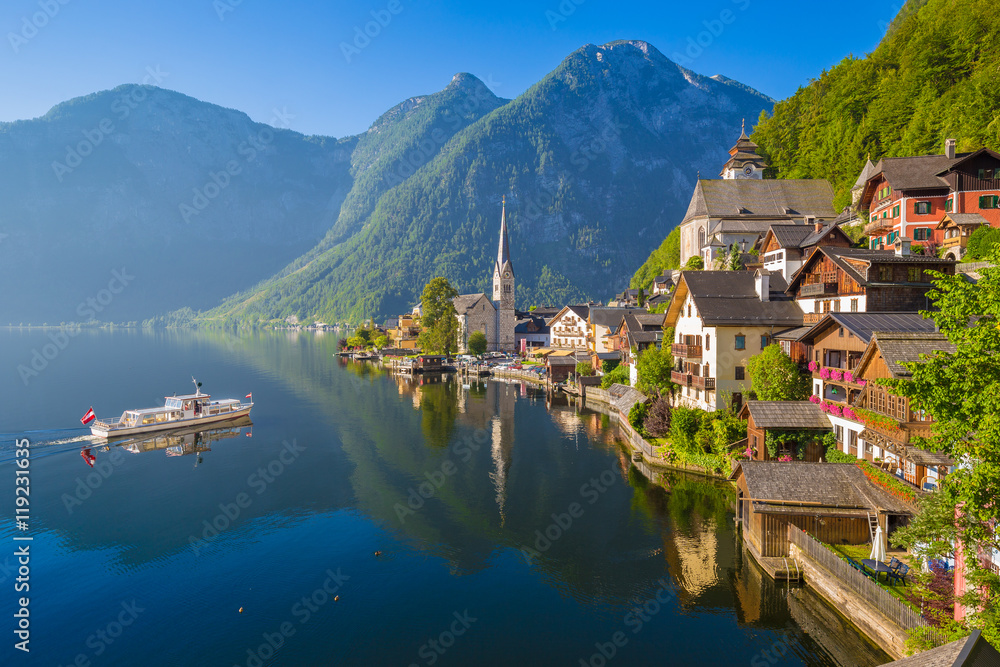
899 573
894 564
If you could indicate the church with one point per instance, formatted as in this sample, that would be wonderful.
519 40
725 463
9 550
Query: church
742 205
495 317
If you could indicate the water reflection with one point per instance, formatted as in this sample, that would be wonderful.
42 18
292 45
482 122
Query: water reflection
179 442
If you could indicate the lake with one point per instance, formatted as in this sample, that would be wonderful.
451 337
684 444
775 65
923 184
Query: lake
365 519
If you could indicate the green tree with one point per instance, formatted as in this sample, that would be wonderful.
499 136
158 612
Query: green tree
584 368
618 375
959 389
982 242
735 262
477 343
667 256
382 341
695 263
775 377
641 298
438 319
653 368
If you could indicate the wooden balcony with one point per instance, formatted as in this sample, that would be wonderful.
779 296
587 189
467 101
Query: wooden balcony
818 289
879 226
695 381
682 351
955 241
812 318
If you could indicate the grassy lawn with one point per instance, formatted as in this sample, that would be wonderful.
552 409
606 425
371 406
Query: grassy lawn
861 552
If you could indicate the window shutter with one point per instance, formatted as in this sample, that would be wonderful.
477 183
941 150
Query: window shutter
982 202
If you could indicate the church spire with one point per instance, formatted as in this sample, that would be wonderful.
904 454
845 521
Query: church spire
503 250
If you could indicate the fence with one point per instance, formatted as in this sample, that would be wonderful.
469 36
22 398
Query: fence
857 583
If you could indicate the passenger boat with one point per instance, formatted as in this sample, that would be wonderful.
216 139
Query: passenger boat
177 412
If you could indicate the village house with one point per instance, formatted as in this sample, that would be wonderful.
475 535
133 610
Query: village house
663 283
833 502
956 229
742 205
832 350
569 329
784 248
720 320
889 422
404 335
859 280
636 332
796 428
475 312
602 321
531 333
909 196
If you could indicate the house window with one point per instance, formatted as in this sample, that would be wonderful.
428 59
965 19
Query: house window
841 332
706 370
949 205
921 207
739 372
836 306
914 274
885 273
741 342
764 341
689 310
922 234
708 342
987 174
989 201
839 430
895 211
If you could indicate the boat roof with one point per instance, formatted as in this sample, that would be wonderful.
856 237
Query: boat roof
147 411
226 400
186 396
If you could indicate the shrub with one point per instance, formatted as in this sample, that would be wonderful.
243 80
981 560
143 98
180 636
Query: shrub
617 376
684 426
636 417
584 368
981 243
658 418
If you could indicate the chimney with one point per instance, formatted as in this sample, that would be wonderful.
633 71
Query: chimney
762 284
818 227
903 246
949 148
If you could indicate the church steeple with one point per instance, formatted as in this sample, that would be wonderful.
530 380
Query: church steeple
744 161
503 250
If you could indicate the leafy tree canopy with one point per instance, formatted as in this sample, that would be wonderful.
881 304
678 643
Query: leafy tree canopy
438 320
775 377
477 343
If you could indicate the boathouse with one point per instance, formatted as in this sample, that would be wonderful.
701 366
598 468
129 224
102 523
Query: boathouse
799 425
834 502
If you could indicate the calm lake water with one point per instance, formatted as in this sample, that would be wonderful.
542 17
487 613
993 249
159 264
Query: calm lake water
512 531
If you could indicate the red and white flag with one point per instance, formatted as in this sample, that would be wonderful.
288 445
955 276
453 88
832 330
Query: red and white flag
250 396
89 417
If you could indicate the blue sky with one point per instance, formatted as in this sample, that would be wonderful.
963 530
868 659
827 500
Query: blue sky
259 56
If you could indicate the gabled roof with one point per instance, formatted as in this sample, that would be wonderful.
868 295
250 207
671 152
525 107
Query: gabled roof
962 220
801 236
665 278
864 325
818 485
720 198
916 172
580 310
786 415
866 173
902 348
840 257
729 298
463 302
966 157
610 317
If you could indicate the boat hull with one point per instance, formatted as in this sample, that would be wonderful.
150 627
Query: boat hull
124 432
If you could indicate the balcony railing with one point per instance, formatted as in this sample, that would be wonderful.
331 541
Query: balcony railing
682 351
689 380
954 241
812 318
818 289
879 226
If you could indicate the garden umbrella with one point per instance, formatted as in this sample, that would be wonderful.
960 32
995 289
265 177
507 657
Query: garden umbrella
878 546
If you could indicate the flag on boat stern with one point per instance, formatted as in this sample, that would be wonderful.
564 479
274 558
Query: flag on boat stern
89 417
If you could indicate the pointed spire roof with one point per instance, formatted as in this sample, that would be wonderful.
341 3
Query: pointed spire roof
503 250
866 173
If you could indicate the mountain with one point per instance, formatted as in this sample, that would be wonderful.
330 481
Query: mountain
189 201
933 76
596 160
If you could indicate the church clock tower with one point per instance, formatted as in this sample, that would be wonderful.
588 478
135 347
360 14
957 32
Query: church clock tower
744 162
503 289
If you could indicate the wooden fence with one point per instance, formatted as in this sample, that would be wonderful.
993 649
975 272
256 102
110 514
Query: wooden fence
880 599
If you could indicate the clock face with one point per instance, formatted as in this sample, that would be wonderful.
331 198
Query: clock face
748 169
507 275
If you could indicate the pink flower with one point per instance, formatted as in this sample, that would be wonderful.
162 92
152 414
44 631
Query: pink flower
825 407
849 376
813 366
814 398
785 458
836 375
850 414
835 410
862 382
824 373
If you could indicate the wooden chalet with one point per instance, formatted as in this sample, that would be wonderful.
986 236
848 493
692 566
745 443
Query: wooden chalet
636 332
860 280
956 229
890 422
834 502
763 417
785 247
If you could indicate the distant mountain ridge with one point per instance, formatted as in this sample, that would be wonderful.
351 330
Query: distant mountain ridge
595 160
200 202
